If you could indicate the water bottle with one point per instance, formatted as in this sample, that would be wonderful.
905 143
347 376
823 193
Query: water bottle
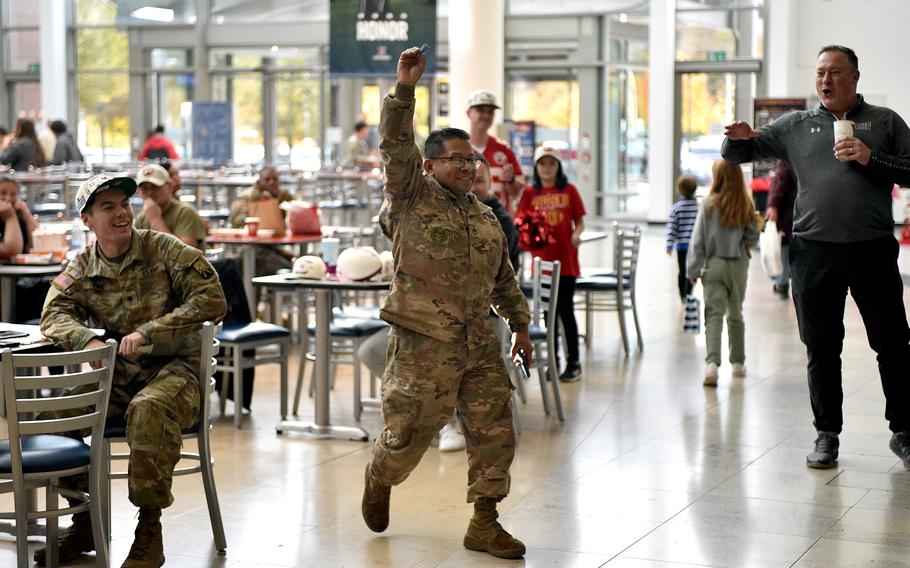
692 321
77 235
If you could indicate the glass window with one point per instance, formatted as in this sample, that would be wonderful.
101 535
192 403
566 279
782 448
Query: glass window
173 96
552 103
24 50
26 100
626 148
170 58
104 116
96 12
298 121
297 57
231 11
101 48
719 35
23 13
370 102
245 91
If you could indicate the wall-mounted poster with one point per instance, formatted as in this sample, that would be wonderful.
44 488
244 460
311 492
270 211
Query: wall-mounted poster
366 36
521 140
213 131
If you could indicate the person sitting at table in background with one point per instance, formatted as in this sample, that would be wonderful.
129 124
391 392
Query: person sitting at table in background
451 266
24 151
157 147
357 152
162 213
16 222
270 258
372 352
552 193
65 150
151 292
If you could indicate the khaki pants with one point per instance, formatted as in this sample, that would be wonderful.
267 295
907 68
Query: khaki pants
724 280
424 381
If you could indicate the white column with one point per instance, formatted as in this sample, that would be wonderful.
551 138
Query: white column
782 50
661 101
476 54
52 42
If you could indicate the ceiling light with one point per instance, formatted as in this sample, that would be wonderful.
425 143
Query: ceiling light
154 14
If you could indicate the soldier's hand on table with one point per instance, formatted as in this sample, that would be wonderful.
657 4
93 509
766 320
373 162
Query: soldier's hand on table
522 341
411 64
130 344
851 149
95 344
740 130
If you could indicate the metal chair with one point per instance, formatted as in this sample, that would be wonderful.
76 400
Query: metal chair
615 291
38 452
543 330
202 457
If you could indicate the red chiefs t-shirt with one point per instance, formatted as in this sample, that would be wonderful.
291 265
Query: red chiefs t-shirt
498 154
563 207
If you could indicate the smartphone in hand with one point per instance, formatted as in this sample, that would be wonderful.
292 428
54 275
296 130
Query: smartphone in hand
521 361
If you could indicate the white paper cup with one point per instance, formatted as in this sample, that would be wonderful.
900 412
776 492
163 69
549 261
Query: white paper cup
843 129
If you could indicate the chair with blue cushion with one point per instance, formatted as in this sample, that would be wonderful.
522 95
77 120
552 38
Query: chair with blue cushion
543 330
38 452
200 432
236 338
615 290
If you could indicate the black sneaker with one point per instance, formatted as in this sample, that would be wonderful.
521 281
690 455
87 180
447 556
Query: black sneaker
571 373
825 454
900 445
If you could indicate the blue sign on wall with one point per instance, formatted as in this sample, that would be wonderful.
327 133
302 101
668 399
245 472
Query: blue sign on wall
213 131
521 140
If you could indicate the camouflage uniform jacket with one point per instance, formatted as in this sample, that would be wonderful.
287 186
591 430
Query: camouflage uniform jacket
164 289
451 256
241 208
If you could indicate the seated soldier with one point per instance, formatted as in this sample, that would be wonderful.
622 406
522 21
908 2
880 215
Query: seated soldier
269 259
163 212
152 292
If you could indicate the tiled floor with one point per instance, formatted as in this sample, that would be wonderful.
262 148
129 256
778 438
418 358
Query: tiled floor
650 469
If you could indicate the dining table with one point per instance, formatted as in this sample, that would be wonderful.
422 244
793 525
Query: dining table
321 426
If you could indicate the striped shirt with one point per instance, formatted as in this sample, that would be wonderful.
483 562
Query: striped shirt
682 220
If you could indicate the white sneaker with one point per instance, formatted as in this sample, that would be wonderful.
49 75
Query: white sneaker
451 439
710 375
739 370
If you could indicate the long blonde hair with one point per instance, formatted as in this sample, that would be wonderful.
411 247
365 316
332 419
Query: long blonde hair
728 194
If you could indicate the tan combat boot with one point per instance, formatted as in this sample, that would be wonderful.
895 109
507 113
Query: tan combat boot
487 535
375 506
76 539
147 550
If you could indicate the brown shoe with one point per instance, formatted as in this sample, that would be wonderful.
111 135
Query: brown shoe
485 534
375 506
76 539
147 550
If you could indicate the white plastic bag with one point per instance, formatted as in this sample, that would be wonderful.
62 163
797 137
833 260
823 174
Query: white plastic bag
769 242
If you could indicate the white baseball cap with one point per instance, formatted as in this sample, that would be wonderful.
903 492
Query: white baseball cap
482 98
154 174
547 150
100 182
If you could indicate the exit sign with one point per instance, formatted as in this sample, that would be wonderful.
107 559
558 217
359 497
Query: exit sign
33 68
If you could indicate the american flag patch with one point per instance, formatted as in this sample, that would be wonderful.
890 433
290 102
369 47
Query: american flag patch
63 281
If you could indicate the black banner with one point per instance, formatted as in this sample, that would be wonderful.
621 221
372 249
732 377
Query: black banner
366 36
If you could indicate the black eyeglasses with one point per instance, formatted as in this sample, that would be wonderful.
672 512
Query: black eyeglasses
460 161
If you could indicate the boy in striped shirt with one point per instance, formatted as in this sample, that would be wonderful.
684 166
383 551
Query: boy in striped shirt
679 229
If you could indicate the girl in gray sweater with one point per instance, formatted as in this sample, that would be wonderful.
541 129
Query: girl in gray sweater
719 253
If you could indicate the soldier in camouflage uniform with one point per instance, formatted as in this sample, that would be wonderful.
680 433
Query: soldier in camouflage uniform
152 292
451 265
269 259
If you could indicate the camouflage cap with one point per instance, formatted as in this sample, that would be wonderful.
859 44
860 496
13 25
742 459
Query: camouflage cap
98 183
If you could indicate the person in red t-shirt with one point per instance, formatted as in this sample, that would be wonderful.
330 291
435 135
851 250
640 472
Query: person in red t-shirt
505 170
559 200
157 147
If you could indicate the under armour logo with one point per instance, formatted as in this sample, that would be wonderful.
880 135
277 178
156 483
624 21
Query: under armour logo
815 129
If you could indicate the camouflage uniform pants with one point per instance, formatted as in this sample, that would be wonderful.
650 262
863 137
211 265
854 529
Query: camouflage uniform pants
158 404
424 381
